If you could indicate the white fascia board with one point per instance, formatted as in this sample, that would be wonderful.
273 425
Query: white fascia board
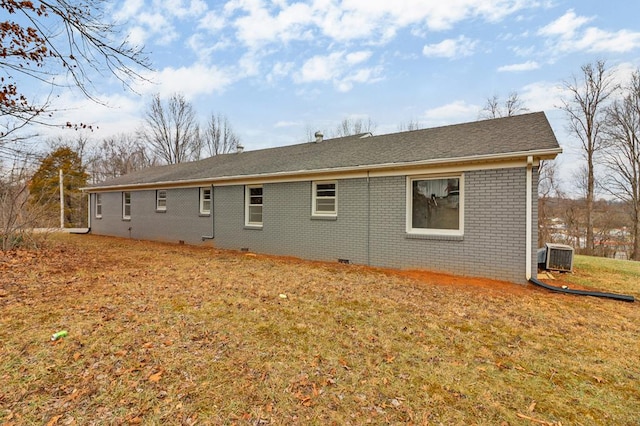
443 165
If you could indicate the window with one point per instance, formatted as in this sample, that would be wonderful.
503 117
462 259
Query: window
98 205
126 205
324 199
435 206
161 200
253 211
205 200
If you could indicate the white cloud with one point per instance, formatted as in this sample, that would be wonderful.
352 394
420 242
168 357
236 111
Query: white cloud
129 10
116 114
204 47
183 9
542 95
283 124
596 40
258 27
154 26
156 22
357 57
280 70
212 22
191 81
567 34
320 68
339 67
454 112
565 26
450 48
373 21
526 66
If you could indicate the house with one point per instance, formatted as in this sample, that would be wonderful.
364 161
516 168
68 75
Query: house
459 198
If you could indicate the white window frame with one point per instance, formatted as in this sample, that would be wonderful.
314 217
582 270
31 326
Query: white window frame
126 214
203 189
98 205
434 231
248 205
161 200
315 198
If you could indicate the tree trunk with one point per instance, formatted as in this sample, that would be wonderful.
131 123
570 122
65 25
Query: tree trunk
635 251
589 244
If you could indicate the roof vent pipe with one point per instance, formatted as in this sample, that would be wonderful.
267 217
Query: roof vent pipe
239 148
319 136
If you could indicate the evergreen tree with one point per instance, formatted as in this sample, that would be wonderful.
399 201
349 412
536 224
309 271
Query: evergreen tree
45 187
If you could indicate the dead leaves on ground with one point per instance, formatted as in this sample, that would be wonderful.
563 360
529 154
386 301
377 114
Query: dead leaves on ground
161 335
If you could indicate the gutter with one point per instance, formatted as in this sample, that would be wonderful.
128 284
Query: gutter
368 168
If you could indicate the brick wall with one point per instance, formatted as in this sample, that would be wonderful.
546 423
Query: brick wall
288 226
370 227
180 222
494 238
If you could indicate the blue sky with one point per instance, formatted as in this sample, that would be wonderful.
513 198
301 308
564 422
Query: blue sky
279 69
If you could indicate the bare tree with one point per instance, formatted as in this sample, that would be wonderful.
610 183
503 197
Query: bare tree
218 136
41 40
17 215
118 155
494 108
585 111
171 129
622 155
409 126
548 191
351 126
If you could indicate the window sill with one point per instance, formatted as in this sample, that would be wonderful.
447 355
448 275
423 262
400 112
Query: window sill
254 227
434 237
204 215
324 217
126 219
161 211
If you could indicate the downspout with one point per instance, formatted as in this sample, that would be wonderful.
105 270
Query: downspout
88 218
368 220
529 217
213 220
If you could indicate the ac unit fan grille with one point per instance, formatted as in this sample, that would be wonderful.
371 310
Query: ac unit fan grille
559 259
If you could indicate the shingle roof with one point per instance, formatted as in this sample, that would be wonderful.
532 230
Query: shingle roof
488 138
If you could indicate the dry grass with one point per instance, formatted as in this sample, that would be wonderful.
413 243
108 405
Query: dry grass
166 334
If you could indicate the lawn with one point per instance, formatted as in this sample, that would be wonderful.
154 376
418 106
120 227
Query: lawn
173 334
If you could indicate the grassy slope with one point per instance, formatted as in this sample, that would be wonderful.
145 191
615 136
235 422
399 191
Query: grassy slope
620 276
163 334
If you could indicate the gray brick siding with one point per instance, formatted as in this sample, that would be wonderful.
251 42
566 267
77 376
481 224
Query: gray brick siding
369 229
180 222
288 226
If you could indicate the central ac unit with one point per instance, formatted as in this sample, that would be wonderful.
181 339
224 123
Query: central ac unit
558 257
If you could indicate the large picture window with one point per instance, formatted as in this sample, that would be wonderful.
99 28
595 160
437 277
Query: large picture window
325 201
253 206
126 205
205 200
435 205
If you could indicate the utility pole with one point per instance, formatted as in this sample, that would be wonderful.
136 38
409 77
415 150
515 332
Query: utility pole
61 201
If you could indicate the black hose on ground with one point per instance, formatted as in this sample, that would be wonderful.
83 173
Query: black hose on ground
622 297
